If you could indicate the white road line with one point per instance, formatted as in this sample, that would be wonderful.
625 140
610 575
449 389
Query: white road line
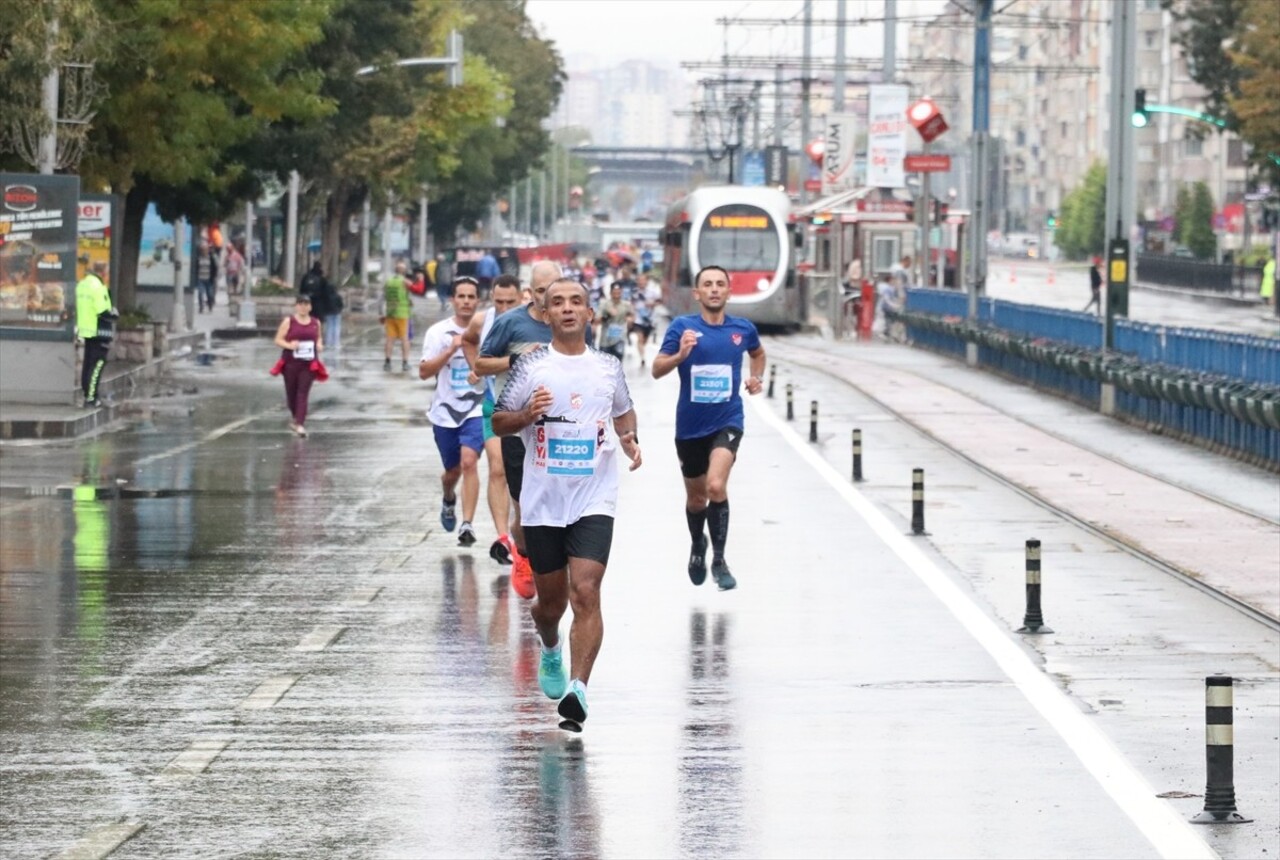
194 760
361 597
268 693
208 437
99 843
1167 832
320 638
392 562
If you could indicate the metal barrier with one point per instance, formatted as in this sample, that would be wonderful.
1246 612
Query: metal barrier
1213 387
1198 274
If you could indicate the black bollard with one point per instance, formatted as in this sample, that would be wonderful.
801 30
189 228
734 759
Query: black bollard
1033 619
1219 754
791 405
857 455
773 373
813 421
917 501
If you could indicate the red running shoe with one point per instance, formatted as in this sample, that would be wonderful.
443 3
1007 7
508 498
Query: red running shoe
522 575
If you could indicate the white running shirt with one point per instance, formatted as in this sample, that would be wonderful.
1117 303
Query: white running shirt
490 390
570 463
455 399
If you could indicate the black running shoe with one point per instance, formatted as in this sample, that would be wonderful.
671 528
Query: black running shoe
698 561
499 552
574 704
720 573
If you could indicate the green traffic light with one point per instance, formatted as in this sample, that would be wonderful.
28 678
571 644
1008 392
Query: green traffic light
1139 119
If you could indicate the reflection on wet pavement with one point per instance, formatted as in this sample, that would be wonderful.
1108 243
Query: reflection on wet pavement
710 753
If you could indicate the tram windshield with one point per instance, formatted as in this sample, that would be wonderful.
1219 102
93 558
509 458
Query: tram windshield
740 238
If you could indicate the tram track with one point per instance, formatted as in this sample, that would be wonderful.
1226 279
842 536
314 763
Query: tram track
821 361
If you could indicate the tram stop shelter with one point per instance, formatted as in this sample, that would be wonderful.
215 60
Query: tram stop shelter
874 225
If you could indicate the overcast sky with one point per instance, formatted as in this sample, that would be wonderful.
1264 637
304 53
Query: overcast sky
668 32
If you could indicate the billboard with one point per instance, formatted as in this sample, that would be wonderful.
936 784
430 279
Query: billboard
887 135
37 250
753 168
838 155
98 234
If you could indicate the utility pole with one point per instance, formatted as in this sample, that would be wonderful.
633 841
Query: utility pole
48 147
891 39
248 316
777 105
1120 164
837 87
423 256
981 128
364 243
291 231
805 84
178 318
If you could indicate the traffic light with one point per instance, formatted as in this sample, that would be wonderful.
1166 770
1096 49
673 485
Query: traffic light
1051 221
1139 118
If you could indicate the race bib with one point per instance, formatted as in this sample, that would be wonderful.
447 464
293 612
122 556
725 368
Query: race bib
563 453
711 383
306 350
458 377
613 333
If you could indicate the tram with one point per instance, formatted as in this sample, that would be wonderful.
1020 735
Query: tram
747 230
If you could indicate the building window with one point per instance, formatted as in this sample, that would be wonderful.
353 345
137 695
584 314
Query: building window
1193 147
1146 153
1235 153
1063 128
1149 37
1020 138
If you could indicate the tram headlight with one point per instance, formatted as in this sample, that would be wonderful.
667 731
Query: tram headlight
762 284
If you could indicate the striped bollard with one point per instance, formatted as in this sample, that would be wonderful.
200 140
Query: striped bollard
917 501
813 421
1033 618
857 455
1219 754
773 373
791 404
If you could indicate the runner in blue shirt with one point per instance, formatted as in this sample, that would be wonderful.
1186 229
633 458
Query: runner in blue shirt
707 349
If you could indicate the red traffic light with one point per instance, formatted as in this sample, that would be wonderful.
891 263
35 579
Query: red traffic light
927 119
816 149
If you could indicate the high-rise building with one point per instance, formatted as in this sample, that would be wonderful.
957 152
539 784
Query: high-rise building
629 104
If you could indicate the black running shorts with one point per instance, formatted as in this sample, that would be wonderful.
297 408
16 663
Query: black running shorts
513 464
550 547
695 454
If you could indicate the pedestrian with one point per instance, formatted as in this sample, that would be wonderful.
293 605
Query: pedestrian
299 336
571 405
516 332
487 269
206 269
234 267
1095 285
900 272
93 316
396 309
506 296
707 348
331 317
455 411
615 315
443 278
642 322
1267 289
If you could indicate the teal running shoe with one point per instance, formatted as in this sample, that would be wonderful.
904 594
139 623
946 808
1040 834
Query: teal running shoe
573 706
551 674
448 514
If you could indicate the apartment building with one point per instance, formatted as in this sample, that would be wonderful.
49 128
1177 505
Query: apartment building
1050 92
628 104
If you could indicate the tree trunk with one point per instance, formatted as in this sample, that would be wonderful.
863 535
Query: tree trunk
125 290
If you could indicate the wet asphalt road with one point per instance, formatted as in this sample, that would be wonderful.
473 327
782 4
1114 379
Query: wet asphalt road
221 641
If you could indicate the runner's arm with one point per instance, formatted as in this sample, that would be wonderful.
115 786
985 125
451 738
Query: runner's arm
471 340
625 426
281 330
507 423
491 365
756 382
434 357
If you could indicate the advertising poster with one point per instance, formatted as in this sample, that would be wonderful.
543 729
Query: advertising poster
887 135
839 155
753 171
95 229
37 250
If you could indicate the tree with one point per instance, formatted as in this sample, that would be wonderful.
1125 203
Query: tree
1181 215
1082 232
189 86
493 157
1198 234
1256 103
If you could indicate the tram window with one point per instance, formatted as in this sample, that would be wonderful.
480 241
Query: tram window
742 233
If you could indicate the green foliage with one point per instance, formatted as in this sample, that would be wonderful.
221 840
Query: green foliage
1198 234
1205 26
135 317
1081 229
1181 215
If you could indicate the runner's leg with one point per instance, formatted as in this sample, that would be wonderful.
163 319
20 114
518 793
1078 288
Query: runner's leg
717 482
587 630
499 508
470 483
550 605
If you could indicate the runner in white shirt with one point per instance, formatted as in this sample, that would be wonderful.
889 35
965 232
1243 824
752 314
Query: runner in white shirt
455 411
571 405
505 296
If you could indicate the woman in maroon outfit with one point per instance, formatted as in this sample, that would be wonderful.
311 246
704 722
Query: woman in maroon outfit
299 337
